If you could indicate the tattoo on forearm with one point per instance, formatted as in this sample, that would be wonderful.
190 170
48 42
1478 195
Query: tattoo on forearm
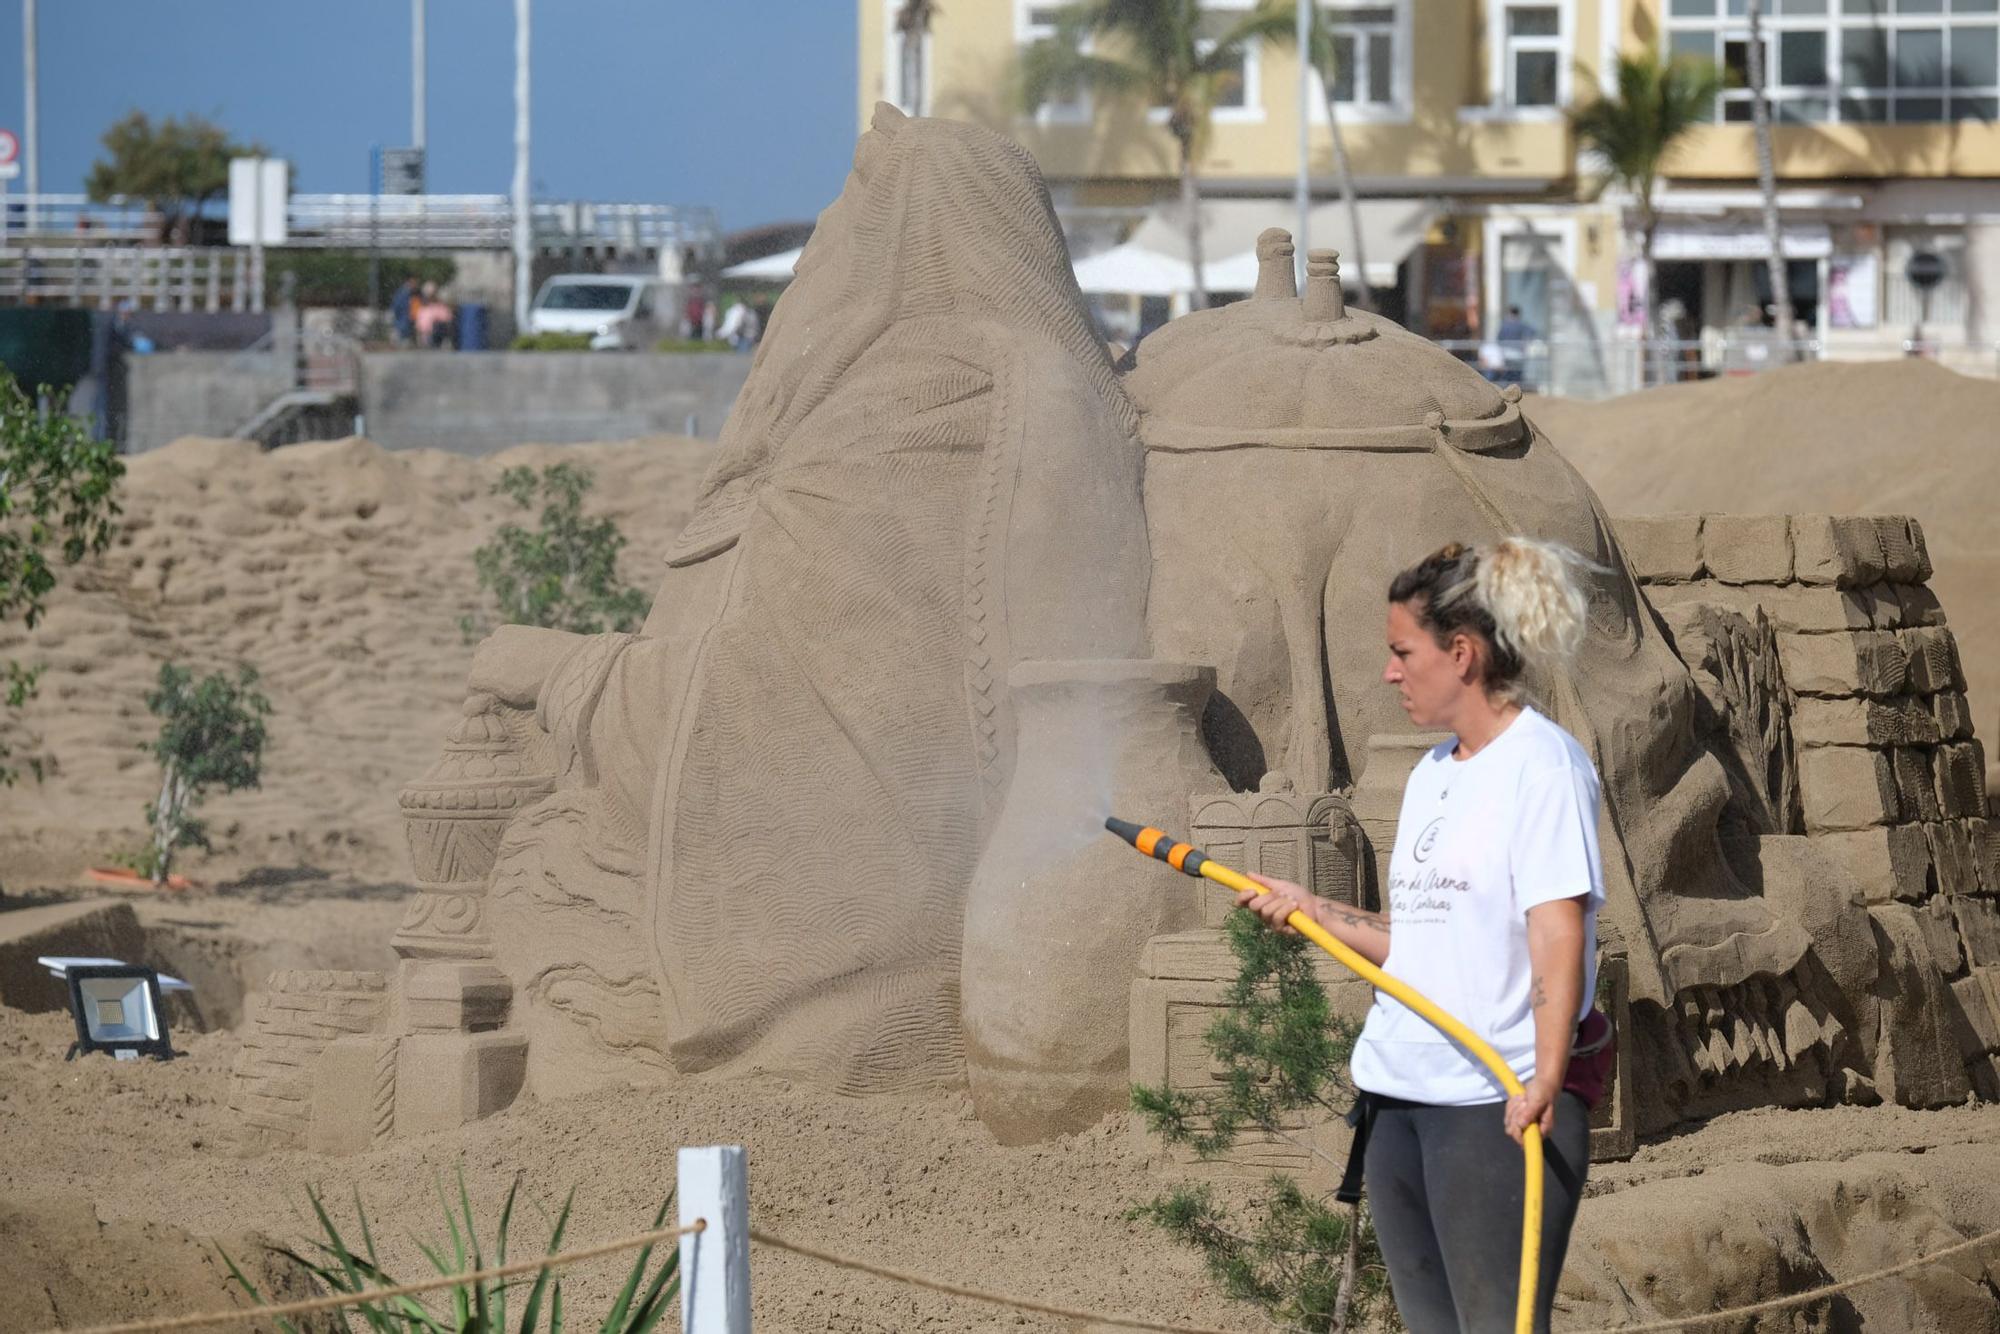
1360 920
1540 994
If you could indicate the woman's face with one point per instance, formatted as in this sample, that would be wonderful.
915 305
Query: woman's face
1432 681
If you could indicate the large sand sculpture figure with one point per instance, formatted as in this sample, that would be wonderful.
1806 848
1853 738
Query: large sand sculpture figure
955 588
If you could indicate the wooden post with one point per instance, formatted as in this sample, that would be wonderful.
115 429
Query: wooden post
715 1264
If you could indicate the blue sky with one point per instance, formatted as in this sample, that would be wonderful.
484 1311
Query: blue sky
748 105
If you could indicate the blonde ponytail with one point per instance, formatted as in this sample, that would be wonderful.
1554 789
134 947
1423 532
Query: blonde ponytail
1523 596
1538 604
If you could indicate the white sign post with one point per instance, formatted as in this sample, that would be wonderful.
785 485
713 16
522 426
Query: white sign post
715 1263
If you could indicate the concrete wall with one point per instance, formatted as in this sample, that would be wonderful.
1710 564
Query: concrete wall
172 394
479 403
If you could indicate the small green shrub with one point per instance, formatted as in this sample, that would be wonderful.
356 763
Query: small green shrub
550 342
479 1306
211 736
690 345
1304 1261
563 575
58 501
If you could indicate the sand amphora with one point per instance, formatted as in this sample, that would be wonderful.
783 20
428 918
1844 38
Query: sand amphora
1059 909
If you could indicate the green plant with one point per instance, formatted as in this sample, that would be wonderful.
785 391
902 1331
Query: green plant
564 575
342 277
1170 52
478 1306
58 501
211 735
1281 1051
550 342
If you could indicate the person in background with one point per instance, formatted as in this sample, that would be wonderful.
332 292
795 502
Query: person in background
1514 334
402 312
691 313
740 326
433 318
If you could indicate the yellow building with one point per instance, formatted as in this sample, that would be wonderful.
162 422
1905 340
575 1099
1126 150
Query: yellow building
1475 196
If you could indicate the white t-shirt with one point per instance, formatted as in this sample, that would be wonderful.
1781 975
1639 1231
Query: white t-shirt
1479 842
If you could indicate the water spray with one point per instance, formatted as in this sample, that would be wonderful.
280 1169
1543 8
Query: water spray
1190 860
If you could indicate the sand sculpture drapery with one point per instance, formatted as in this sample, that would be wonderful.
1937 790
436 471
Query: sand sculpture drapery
955 588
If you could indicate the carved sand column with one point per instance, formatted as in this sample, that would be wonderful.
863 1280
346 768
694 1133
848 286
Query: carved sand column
444 1059
1059 910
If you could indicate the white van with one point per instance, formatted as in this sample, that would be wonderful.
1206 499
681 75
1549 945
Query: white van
620 311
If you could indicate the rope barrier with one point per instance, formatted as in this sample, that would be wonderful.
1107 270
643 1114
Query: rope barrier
976 1294
1801 1298
246 1315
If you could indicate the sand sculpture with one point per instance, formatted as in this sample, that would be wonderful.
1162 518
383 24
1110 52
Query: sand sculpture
955 588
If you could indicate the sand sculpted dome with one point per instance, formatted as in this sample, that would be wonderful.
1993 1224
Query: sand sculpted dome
957 587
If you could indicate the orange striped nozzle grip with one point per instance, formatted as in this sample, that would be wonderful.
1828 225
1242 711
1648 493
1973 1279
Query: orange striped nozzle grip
1155 843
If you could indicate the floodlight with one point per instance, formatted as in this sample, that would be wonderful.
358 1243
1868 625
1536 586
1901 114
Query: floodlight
117 1010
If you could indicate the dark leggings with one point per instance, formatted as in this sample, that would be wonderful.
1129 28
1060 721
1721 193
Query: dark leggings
1445 1186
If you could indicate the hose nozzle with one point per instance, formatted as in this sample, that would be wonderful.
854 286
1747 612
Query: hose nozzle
1157 844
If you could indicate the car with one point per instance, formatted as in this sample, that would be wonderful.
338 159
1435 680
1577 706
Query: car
619 311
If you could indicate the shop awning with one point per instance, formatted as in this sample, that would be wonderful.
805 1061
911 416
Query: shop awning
1739 240
1390 230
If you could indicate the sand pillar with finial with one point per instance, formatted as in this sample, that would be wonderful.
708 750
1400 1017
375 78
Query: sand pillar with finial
1276 276
1325 302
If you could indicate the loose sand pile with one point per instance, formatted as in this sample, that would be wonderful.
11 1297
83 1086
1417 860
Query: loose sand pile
340 571
1900 437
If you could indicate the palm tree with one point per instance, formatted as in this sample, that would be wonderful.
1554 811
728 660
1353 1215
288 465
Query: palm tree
1636 131
1155 49
1767 178
1280 15
913 21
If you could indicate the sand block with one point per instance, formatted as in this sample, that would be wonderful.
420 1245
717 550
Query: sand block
1844 787
444 1080
297 1016
1954 716
1904 559
1977 999
1898 721
354 1095
454 997
1933 659
1954 855
1941 931
1920 606
1864 662
1844 552
1960 770
1664 548
1888 863
1747 548
1979 929
1916 785
1917 1060
95 928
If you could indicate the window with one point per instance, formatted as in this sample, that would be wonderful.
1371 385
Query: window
1868 61
1532 63
1238 96
1035 23
1364 54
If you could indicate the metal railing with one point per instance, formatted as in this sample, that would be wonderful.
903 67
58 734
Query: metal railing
148 277
396 222
1586 368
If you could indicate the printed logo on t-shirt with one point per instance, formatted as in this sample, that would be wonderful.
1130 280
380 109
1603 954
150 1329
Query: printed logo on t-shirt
1424 899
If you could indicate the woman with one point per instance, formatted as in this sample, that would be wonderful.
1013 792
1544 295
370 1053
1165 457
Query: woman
1494 887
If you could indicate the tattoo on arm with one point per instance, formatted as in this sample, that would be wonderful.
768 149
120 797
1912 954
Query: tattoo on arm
1540 994
1353 917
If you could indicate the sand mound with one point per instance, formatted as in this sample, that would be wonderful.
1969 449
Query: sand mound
1903 437
340 571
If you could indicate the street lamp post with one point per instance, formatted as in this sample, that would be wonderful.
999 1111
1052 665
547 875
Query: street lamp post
1304 188
31 121
523 220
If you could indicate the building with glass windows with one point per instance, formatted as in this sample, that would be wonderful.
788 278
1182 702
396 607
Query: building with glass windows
1475 197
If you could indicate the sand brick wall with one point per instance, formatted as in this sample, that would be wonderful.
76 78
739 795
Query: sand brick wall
1891 779
290 1023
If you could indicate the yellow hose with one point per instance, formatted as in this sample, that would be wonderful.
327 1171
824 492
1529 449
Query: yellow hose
1531 1139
